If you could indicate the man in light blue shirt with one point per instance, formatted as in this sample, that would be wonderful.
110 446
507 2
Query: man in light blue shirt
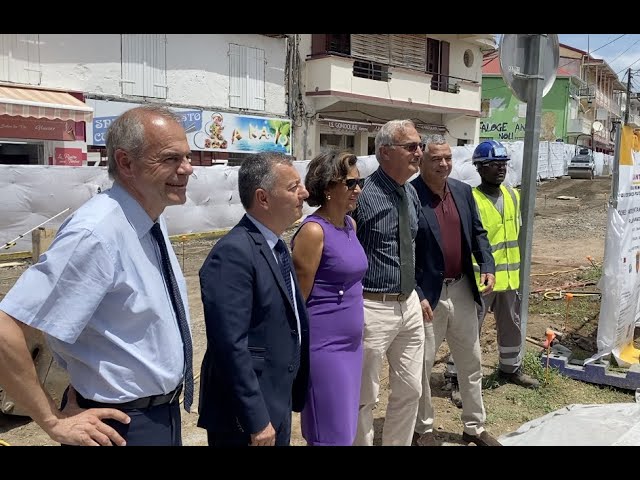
107 304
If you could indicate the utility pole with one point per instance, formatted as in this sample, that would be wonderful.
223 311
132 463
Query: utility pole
628 101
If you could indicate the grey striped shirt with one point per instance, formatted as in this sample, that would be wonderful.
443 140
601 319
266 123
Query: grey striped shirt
376 217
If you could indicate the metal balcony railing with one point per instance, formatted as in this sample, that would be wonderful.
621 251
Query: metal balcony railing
371 70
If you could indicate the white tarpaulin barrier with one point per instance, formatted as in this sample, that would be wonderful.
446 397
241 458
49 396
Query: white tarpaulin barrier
32 194
620 282
615 424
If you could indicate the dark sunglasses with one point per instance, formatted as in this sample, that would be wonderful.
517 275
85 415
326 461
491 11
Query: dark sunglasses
410 147
352 182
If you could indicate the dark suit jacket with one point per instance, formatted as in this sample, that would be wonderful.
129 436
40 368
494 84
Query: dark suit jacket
250 374
429 257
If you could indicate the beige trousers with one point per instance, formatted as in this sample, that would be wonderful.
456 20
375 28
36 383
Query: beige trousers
456 318
394 329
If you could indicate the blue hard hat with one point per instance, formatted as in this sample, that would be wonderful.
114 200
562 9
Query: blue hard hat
488 151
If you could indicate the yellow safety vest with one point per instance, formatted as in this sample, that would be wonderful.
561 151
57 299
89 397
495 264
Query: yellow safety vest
503 237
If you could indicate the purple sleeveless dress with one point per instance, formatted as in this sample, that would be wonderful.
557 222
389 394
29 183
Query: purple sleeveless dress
336 324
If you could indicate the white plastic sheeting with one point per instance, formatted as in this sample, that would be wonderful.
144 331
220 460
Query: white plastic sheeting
615 424
553 161
31 194
620 282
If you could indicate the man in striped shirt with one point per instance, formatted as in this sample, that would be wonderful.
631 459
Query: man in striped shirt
387 222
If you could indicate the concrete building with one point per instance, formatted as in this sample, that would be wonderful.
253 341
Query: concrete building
585 90
345 86
59 92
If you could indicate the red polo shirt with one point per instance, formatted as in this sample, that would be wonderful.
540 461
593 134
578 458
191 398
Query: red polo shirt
450 234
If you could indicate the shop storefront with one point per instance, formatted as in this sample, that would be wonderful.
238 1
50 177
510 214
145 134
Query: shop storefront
214 136
42 127
357 136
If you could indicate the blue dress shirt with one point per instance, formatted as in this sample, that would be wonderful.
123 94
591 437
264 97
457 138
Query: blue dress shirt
99 296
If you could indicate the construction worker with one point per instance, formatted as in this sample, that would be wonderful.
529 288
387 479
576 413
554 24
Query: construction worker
499 210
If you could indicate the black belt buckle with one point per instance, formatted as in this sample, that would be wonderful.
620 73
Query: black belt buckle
449 281
137 404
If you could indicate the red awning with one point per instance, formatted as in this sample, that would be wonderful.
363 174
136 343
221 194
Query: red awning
29 102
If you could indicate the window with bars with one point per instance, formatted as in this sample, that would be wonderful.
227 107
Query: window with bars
20 58
246 77
144 65
371 70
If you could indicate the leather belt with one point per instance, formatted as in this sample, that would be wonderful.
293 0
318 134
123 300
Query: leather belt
449 281
385 297
137 404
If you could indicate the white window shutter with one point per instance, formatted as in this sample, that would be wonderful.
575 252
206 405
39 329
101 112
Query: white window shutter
19 62
32 72
246 77
158 66
132 67
20 58
5 56
255 79
237 76
144 69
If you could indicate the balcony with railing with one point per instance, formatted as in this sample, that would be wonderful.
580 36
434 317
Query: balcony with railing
578 126
378 83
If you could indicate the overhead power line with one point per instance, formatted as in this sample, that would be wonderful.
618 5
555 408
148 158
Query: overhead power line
628 66
609 43
590 52
625 51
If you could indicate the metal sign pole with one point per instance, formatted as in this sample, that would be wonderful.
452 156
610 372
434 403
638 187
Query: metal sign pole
615 178
530 171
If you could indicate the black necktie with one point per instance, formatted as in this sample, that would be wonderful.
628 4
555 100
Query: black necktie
284 261
285 265
407 273
178 307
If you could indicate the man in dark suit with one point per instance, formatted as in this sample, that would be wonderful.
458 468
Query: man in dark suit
449 232
255 369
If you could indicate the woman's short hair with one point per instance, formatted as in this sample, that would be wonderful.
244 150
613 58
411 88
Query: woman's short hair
329 166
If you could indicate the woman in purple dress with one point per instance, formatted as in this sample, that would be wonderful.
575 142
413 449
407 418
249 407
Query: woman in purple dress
330 264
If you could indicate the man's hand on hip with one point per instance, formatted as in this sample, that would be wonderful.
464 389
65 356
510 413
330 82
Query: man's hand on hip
86 427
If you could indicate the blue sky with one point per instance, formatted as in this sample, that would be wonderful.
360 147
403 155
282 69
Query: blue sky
620 51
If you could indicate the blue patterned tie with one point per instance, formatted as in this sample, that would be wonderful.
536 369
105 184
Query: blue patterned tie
285 266
284 261
178 307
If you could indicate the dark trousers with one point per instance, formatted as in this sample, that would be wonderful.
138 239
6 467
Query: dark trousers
155 426
241 439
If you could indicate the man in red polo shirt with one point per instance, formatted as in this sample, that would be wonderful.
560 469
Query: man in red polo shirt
449 233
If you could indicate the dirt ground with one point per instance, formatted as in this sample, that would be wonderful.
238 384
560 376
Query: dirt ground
565 233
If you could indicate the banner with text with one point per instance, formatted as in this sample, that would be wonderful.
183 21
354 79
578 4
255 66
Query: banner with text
229 132
206 130
620 284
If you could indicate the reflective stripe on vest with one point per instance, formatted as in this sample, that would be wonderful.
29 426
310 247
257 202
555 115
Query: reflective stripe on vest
503 236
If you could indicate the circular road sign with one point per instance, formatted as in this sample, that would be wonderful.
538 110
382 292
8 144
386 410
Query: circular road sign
516 64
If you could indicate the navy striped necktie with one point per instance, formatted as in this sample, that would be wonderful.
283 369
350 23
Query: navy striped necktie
178 307
285 265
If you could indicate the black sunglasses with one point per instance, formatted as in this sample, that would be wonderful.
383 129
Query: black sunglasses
352 182
410 147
